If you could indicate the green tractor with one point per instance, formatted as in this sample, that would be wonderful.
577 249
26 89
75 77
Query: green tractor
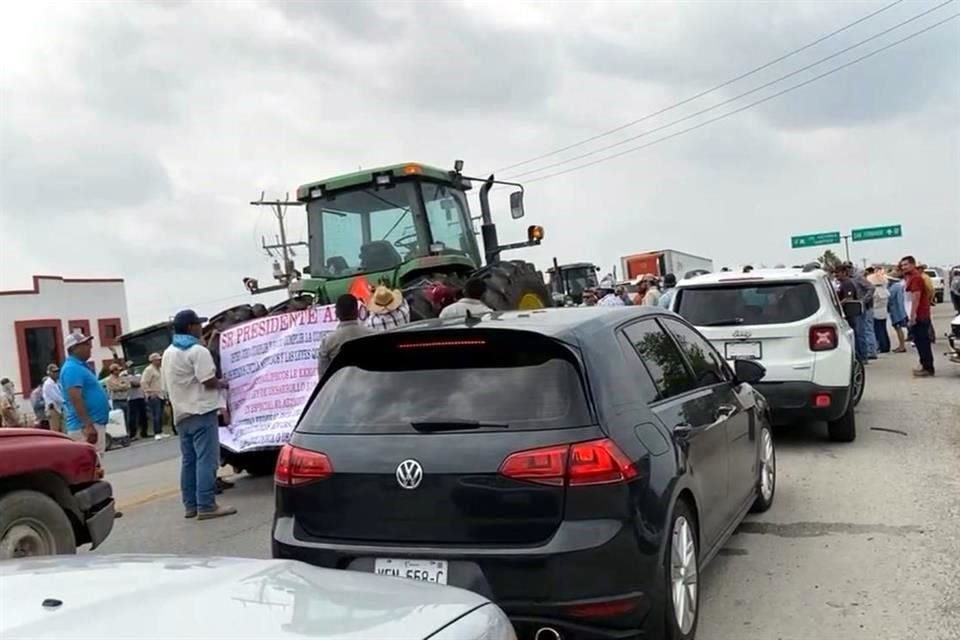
569 281
408 226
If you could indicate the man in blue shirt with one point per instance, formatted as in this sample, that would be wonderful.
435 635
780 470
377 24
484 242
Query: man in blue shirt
85 405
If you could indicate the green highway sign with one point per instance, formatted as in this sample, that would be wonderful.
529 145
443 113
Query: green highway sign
876 233
815 239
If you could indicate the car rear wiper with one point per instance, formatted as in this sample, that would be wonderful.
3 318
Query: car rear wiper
429 426
723 323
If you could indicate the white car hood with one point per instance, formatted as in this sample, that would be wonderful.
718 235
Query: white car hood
174 597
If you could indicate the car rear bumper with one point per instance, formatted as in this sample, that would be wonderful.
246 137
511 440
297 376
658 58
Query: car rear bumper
583 565
96 506
797 400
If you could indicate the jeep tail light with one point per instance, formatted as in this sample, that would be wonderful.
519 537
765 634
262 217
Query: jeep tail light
296 466
585 463
823 338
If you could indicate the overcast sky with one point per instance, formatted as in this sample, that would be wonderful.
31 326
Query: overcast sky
133 135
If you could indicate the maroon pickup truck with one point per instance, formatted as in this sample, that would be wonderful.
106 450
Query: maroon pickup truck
52 495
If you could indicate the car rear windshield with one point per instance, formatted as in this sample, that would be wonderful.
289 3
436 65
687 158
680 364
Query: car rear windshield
749 303
500 386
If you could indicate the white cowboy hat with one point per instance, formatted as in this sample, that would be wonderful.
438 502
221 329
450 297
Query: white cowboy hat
384 300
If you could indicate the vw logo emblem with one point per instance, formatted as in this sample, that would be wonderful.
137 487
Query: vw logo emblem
409 474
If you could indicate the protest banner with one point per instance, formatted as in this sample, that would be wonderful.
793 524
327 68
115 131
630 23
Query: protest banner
271 366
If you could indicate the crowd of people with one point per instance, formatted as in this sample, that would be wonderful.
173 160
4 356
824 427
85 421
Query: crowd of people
897 300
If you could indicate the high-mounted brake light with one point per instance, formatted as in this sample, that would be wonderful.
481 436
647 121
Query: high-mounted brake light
429 344
296 466
582 464
823 337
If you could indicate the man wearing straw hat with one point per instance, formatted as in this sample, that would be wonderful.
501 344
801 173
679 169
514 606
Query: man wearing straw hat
388 309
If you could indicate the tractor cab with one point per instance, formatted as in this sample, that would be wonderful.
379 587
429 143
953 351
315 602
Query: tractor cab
377 223
569 281
407 226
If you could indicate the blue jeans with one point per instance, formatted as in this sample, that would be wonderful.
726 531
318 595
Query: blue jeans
860 338
155 407
869 333
883 335
200 455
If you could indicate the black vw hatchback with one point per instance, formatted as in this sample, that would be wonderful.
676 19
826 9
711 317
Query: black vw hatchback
577 466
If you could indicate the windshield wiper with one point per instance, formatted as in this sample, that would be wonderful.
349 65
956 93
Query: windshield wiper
723 323
430 426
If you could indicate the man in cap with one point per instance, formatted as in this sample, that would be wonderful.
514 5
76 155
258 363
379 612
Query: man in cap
607 294
190 378
9 414
388 309
86 408
347 308
53 398
151 382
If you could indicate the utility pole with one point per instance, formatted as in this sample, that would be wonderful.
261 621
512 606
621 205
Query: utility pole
846 246
288 272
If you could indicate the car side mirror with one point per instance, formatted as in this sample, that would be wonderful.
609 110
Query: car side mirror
749 371
516 205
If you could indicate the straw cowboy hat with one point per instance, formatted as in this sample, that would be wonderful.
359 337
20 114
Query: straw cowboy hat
384 300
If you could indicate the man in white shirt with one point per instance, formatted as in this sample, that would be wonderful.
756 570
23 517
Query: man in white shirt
152 384
608 297
470 304
53 398
190 378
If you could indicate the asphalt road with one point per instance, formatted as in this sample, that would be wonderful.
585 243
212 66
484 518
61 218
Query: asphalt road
863 541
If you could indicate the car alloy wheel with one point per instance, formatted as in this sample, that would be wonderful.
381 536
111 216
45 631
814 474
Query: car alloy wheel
684 575
858 382
768 465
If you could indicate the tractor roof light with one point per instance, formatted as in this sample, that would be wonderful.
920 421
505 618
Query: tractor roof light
383 179
316 192
412 170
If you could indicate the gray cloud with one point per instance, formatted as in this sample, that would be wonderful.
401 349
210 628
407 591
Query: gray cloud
60 177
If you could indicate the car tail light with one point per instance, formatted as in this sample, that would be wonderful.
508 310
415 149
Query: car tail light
296 466
823 338
582 464
547 465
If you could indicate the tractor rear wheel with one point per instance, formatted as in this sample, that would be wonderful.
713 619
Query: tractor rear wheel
514 284
422 299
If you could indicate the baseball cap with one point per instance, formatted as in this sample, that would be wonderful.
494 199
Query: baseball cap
74 339
185 318
155 356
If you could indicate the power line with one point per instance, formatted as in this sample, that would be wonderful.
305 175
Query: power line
704 92
747 106
729 100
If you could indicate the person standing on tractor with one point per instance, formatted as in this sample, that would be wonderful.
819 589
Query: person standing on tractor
388 309
347 308
470 304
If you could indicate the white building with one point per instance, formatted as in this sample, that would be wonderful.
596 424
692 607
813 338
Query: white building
34 323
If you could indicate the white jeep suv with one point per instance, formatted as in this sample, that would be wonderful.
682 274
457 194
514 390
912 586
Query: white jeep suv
791 322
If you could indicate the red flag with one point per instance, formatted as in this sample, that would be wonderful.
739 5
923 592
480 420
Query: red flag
360 289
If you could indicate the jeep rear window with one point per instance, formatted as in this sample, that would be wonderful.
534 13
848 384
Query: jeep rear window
513 384
749 303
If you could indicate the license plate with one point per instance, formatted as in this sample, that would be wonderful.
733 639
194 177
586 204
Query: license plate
743 350
423 570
